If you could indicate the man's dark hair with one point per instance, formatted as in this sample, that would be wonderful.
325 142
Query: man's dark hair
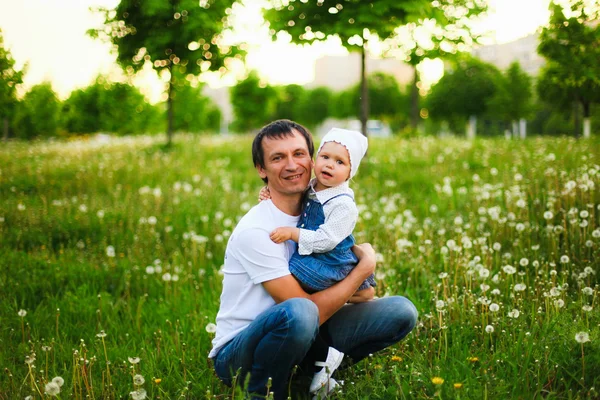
278 130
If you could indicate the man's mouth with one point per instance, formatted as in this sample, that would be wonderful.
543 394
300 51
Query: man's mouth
292 177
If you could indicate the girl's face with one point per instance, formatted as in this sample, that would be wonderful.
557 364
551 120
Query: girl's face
332 167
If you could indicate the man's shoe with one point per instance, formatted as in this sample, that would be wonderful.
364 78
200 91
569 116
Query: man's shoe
327 389
322 378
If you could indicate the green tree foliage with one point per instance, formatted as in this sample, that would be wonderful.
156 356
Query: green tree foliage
445 32
253 102
195 112
38 114
388 102
9 79
287 102
464 91
110 107
354 22
570 44
314 106
170 34
513 99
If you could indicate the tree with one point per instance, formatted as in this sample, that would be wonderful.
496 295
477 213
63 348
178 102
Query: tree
446 32
38 114
109 107
9 79
512 101
464 92
196 112
314 106
570 44
287 102
354 22
253 103
182 35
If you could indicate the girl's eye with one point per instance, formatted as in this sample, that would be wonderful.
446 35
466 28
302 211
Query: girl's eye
325 157
340 162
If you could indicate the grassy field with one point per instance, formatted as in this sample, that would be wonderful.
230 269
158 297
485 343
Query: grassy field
111 252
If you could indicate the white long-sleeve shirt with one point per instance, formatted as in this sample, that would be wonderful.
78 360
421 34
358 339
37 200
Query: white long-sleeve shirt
341 215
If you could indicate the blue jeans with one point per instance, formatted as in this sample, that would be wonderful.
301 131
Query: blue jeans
281 337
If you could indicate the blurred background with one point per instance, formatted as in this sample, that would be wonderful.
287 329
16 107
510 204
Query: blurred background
386 67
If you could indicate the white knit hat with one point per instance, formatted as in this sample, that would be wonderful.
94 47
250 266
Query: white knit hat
355 142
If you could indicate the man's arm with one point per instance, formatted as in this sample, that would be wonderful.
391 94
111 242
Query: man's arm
331 299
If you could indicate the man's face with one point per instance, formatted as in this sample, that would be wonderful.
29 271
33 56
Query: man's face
287 164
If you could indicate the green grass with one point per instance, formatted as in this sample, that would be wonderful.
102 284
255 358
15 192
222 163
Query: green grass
64 205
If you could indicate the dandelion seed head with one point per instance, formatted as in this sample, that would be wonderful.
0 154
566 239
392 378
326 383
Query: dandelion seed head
520 287
52 389
588 290
524 262
514 313
133 360
494 307
110 251
211 328
22 313
489 329
564 259
582 337
58 380
139 394
102 334
138 380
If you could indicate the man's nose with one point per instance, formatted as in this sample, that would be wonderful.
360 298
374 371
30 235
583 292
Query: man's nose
291 164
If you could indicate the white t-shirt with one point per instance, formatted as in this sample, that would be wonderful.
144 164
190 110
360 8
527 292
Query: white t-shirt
251 258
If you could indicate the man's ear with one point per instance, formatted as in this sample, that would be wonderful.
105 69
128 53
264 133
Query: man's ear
261 172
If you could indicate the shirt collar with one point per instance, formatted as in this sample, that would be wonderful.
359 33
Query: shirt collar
325 195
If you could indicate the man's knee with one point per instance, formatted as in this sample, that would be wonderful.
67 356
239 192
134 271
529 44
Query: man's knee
302 318
402 312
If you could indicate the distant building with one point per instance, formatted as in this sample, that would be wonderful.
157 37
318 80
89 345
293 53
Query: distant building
341 72
523 50
220 96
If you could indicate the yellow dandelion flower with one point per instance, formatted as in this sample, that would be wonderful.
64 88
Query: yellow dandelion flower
458 385
157 380
396 358
436 380
472 359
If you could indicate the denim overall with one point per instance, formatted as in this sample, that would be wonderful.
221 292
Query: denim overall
318 271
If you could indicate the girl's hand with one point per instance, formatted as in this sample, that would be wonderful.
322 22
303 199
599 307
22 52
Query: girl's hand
264 194
280 235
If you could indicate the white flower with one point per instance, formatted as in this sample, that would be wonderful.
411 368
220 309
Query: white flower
596 233
52 388
166 277
520 227
584 214
22 313
440 304
588 290
149 269
102 334
564 259
58 380
582 337
524 262
494 307
21 207
133 360
554 292
211 328
489 329
30 359
110 251
519 287
138 380
484 272
100 214
496 246
559 303
586 308
509 269
548 215
514 313
443 275
139 394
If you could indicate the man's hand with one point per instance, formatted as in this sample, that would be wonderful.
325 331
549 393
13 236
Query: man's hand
264 194
282 234
366 258
362 296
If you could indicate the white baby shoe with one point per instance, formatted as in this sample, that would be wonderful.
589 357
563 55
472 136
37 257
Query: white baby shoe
323 377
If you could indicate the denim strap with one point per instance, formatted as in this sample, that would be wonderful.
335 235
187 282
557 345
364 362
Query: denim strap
339 195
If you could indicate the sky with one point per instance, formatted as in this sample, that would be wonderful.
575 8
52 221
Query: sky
50 37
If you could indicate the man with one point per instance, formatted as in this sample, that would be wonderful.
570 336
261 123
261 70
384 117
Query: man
267 323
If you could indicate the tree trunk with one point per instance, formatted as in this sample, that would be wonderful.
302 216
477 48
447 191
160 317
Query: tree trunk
364 92
5 137
523 128
472 127
515 128
170 109
577 118
587 123
414 101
